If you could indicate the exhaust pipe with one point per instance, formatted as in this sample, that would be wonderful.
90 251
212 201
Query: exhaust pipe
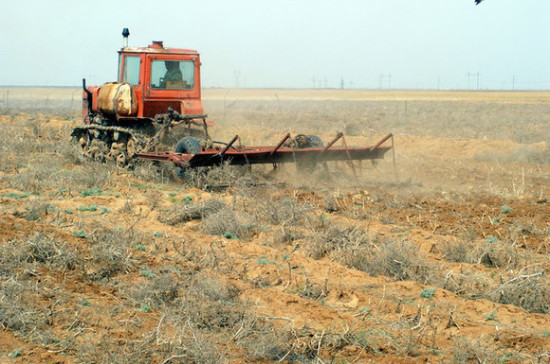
89 97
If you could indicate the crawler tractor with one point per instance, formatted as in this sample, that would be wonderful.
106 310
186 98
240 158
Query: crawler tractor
155 106
155 101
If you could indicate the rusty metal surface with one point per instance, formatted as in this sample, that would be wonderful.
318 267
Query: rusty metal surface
331 143
268 154
383 140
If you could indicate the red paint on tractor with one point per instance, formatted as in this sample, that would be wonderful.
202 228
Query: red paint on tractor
145 68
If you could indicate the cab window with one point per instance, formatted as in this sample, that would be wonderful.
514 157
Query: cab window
130 70
173 75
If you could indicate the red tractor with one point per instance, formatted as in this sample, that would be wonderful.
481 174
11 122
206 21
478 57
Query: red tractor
153 106
155 101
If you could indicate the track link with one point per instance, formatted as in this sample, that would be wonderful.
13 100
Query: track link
103 143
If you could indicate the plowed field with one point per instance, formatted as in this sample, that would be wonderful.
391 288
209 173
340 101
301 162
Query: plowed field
443 256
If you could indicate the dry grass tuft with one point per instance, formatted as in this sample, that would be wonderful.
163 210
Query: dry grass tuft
402 260
228 222
200 210
15 313
111 254
40 249
497 254
154 172
457 251
479 351
529 290
286 212
349 245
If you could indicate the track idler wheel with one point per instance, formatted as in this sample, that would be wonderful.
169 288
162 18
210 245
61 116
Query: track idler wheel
89 152
81 143
98 150
131 148
121 159
98 155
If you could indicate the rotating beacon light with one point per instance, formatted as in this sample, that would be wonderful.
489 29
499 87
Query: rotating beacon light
125 34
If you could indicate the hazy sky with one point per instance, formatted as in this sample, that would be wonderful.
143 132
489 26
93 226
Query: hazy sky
302 43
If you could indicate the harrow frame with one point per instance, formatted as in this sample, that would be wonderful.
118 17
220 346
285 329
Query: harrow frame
270 154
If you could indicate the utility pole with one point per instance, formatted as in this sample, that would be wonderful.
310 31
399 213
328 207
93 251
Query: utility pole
237 74
478 80
381 80
513 82
406 113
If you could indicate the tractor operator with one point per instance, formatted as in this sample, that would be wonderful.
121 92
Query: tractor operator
173 72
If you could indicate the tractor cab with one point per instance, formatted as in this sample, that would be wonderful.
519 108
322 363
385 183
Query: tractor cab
151 81
161 78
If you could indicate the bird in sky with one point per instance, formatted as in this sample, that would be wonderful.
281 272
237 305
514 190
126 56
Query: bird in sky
478 1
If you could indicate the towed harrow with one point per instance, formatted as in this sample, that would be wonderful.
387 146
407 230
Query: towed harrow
303 150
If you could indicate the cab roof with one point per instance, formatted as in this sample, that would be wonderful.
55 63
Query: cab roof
157 47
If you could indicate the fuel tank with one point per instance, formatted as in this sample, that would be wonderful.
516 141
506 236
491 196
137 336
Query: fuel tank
117 99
